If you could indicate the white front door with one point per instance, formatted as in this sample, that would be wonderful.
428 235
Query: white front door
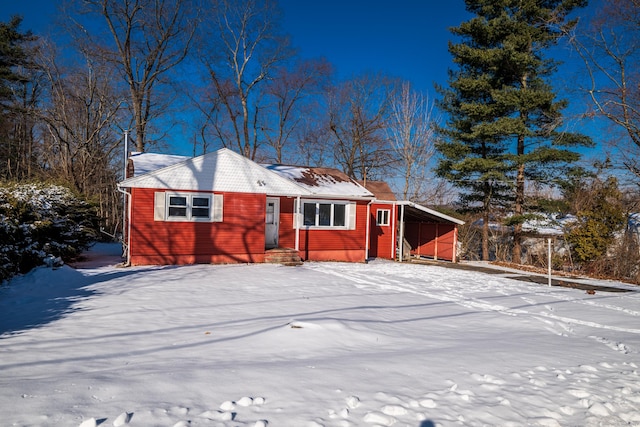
272 219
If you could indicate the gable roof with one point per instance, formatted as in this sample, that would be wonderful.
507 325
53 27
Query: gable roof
380 189
326 182
222 170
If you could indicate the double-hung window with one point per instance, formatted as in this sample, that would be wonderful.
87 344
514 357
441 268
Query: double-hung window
328 214
171 206
382 217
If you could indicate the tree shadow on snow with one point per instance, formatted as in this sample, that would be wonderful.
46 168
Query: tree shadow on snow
45 295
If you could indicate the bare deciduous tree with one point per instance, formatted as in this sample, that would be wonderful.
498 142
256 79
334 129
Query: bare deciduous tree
610 48
150 38
287 91
411 134
80 147
357 111
241 47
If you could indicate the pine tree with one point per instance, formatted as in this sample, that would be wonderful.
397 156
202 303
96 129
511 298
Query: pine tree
504 126
16 98
12 54
600 216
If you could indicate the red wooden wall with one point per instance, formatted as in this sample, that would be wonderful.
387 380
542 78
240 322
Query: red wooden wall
238 238
382 237
324 245
434 240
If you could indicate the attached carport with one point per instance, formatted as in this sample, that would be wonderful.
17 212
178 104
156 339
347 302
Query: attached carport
426 233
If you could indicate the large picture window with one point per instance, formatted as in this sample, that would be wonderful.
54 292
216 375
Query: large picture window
325 214
170 206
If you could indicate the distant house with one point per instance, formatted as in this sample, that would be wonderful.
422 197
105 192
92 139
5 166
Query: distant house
224 208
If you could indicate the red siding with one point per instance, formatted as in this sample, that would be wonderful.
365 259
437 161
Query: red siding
431 240
238 238
382 237
324 245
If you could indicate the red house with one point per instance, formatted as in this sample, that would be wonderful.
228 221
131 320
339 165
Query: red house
224 208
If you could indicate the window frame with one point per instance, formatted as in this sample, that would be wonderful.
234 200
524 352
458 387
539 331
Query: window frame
317 225
189 217
386 213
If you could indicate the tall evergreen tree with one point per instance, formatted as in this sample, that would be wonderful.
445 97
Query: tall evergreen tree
18 99
505 123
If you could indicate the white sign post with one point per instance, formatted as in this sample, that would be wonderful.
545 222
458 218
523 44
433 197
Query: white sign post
549 261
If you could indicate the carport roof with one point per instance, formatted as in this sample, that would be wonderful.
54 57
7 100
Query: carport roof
421 213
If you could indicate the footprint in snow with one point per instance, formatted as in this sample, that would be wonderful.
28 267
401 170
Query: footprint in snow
353 402
243 401
394 410
379 419
91 422
428 403
219 415
122 419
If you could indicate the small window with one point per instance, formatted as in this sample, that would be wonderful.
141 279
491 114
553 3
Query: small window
271 213
200 207
383 217
178 206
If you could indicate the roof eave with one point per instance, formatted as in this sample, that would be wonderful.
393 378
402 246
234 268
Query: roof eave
431 212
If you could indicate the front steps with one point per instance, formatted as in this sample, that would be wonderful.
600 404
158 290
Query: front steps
284 256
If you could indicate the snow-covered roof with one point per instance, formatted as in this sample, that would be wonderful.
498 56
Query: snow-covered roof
221 170
148 162
423 211
325 182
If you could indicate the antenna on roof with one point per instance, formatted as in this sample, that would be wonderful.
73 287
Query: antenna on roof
126 153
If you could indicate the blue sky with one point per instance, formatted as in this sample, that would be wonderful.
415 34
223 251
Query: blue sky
401 38
404 38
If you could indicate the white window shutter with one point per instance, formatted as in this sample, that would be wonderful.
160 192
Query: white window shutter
352 215
159 210
217 208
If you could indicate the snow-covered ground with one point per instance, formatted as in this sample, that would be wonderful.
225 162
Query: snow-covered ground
324 344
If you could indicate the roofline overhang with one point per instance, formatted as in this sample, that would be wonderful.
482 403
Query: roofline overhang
423 209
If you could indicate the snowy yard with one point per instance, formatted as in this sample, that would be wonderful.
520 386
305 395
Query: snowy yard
324 344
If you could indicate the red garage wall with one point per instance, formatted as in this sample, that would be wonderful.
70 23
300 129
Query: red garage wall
238 238
324 245
431 240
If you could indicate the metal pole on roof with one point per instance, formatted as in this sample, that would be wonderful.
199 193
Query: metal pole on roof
126 153
124 176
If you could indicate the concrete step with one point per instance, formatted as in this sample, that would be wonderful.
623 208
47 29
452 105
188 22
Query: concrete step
285 256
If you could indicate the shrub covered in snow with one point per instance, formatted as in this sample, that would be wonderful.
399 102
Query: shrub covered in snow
40 220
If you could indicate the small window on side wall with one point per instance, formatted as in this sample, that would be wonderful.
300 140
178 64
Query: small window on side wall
383 217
